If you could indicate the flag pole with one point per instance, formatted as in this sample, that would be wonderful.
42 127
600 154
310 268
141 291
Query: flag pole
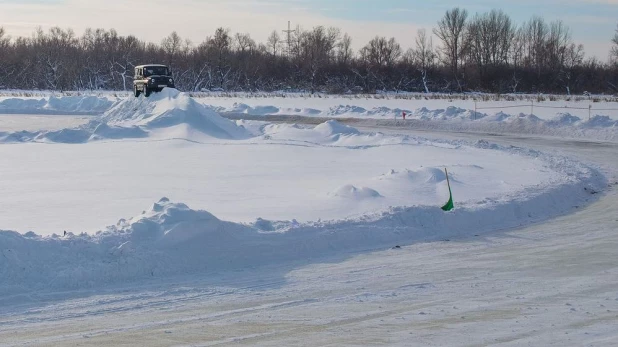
449 205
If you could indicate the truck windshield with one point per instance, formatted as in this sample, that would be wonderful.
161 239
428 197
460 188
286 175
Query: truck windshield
155 70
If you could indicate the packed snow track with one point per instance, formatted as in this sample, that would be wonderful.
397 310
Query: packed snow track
548 284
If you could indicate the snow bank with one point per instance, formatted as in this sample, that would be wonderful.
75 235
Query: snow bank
351 192
57 105
332 127
456 119
136 118
170 108
89 132
331 133
172 239
420 176
563 125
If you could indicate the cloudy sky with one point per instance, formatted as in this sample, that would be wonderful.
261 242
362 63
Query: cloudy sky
593 22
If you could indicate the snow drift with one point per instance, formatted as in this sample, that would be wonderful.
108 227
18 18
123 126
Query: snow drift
351 192
170 108
89 105
172 239
137 118
455 118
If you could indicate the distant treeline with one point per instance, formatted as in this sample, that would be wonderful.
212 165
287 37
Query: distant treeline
485 53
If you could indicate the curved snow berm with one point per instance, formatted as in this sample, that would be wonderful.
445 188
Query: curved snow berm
171 108
172 239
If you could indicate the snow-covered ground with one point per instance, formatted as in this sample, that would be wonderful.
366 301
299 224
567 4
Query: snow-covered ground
577 117
368 107
37 122
250 207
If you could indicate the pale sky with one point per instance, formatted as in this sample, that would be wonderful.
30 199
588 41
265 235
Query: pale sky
593 22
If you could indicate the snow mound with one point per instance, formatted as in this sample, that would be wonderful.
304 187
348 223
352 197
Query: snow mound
421 176
344 110
170 108
354 193
168 225
450 112
79 104
386 112
332 127
256 111
104 131
57 105
498 117
600 122
164 240
90 132
136 117
564 119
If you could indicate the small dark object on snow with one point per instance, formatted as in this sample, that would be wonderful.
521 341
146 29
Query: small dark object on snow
396 247
65 233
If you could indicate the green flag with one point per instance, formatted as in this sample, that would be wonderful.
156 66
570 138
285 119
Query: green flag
449 205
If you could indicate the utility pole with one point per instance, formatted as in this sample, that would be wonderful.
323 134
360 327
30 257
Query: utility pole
289 32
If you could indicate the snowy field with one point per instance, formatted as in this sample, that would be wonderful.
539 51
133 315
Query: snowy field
577 116
186 228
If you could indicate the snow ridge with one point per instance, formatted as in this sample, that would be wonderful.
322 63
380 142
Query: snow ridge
58 105
456 119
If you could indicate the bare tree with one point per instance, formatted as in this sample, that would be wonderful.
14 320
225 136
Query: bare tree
558 41
451 30
573 57
171 45
536 32
491 35
54 47
244 43
274 42
424 55
381 52
317 50
344 49
221 44
5 71
614 51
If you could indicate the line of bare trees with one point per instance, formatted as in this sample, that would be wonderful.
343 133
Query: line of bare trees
486 52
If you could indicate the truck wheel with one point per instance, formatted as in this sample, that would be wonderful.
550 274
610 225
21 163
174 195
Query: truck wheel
136 92
147 91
